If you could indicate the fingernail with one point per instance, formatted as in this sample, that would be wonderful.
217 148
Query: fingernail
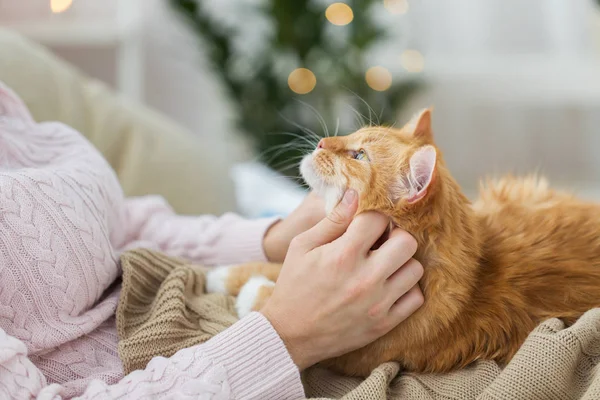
349 197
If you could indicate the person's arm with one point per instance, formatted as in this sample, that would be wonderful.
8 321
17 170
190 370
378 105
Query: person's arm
260 356
210 240
206 239
246 361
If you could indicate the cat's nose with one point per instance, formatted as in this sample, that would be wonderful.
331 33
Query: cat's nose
330 143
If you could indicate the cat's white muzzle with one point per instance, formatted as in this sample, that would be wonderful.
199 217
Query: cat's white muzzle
332 194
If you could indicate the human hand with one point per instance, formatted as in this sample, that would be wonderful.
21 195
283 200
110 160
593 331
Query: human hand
278 237
334 294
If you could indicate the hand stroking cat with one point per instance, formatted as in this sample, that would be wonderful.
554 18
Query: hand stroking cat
493 268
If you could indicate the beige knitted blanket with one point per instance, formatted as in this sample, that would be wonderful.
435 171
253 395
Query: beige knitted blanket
163 308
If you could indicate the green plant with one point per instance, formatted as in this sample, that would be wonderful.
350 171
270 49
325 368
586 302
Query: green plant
268 110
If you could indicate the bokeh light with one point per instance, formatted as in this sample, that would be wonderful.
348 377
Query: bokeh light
412 61
58 6
339 14
302 80
396 6
378 78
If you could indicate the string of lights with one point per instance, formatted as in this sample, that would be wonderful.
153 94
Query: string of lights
59 6
303 80
317 57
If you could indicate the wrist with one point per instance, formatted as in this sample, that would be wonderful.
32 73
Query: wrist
296 344
271 243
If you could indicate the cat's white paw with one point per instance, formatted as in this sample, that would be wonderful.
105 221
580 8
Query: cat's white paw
249 294
216 279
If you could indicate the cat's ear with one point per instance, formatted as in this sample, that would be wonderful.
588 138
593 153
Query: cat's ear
420 125
422 168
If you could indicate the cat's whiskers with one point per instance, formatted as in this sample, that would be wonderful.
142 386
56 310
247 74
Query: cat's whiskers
309 141
359 119
380 115
301 143
371 111
318 115
292 145
302 128
290 163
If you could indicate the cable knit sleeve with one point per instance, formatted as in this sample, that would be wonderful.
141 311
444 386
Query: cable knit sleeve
246 361
208 240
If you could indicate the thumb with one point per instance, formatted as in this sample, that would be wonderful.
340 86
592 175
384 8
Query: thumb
334 225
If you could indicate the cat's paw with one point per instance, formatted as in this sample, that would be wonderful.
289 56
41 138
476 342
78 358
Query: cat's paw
253 295
217 279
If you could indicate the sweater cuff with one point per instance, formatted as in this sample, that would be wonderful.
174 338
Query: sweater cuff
244 241
256 360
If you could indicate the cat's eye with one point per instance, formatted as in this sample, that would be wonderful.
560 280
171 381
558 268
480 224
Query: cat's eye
360 155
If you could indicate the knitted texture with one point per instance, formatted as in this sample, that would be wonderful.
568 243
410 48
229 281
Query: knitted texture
63 223
163 308
58 202
554 363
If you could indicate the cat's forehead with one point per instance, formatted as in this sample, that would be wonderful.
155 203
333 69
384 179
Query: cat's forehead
381 135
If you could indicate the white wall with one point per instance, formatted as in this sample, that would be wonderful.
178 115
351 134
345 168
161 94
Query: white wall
515 85
178 82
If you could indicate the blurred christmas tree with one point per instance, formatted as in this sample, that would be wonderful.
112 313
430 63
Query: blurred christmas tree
314 57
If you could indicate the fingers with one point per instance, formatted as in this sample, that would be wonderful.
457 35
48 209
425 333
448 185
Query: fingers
401 282
310 212
395 252
313 197
365 230
329 228
406 305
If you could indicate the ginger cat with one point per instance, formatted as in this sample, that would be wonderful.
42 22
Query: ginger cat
494 269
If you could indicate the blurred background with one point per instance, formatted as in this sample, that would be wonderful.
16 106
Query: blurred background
515 84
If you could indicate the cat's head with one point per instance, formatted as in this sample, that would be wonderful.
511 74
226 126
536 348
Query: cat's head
391 169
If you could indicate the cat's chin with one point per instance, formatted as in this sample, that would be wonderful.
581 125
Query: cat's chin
332 194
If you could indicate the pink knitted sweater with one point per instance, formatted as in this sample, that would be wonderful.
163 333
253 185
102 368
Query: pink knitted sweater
63 222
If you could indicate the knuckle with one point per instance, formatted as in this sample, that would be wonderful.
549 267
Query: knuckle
376 218
416 269
297 242
357 290
339 260
376 311
419 299
408 242
382 219
370 281
344 257
350 250
383 327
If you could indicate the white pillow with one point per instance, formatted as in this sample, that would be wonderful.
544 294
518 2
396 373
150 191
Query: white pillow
262 192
